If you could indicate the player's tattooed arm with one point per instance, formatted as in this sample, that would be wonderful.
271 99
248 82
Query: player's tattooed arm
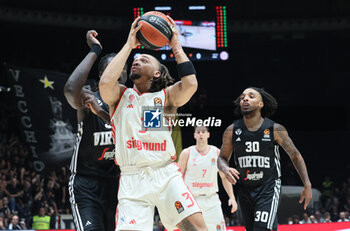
232 175
283 139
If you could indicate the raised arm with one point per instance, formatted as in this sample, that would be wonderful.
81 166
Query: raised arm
283 139
183 158
226 150
182 91
73 89
109 87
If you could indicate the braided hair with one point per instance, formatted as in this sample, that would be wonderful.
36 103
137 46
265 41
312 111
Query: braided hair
103 63
163 81
270 103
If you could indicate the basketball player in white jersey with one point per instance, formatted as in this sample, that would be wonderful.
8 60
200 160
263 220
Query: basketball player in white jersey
198 164
149 177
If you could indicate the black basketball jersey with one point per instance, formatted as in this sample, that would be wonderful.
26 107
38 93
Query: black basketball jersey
255 154
94 150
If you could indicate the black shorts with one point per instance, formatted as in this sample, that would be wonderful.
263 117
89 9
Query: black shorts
259 205
94 202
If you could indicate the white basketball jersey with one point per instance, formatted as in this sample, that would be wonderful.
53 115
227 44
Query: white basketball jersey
134 145
202 171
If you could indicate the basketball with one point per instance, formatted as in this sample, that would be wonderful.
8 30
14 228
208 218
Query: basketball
155 31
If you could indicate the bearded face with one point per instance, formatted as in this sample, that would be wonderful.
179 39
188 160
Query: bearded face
134 76
250 101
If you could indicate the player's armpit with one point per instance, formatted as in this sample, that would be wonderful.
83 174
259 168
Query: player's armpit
225 154
226 147
181 92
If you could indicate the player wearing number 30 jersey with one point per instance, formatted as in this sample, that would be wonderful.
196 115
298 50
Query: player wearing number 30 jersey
254 142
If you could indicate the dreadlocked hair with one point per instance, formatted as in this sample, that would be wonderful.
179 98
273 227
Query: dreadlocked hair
163 81
103 63
270 103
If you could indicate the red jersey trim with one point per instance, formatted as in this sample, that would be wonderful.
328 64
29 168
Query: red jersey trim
146 92
203 153
218 150
164 97
118 102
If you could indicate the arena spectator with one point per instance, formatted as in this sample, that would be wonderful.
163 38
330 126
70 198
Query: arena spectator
342 217
14 224
327 217
295 219
313 219
41 220
5 210
14 192
27 198
306 219
334 213
319 217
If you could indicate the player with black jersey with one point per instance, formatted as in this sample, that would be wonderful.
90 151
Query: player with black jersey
93 183
254 141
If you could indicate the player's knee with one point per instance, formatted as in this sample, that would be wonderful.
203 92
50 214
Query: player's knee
187 225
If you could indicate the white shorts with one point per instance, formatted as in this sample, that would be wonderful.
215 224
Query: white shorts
212 212
140 191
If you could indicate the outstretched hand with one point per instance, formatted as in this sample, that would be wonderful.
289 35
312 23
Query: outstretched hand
91 38
306 196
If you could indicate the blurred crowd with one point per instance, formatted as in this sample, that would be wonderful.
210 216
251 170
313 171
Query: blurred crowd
335 204
23 192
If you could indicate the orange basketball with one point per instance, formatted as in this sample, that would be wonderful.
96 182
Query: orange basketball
155 31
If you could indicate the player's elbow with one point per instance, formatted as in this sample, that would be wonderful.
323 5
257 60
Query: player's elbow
104 95
195 87
296 157
68 88
72 95
105 86
192 84
103 83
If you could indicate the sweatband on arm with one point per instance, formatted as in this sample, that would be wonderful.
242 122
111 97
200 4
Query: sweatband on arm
185 68
95 48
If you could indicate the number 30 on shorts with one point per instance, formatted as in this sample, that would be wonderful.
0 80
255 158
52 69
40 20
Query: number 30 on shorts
261 216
